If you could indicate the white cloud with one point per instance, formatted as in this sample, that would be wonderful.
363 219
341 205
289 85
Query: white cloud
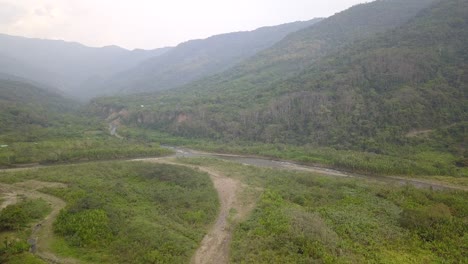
151 23
10 13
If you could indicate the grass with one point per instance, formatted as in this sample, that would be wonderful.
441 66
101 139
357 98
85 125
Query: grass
128 212
406 160
15 221
100 147
306 218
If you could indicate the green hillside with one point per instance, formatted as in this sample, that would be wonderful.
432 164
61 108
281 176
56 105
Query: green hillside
379 90
195 59
303 48
400 88
41 126
23 106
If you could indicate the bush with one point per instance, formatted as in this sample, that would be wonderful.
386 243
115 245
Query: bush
85 228
16 216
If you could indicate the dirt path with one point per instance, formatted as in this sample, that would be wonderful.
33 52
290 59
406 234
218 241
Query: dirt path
214 248
215 245
42 232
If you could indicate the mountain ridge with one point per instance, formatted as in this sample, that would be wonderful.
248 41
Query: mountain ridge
199 58
366 94
66 65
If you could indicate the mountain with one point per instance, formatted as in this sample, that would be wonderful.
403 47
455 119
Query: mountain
195 59
71 67
378 90
306 46
25 106
358 92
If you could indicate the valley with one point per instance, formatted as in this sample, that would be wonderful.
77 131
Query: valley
237 194
337 139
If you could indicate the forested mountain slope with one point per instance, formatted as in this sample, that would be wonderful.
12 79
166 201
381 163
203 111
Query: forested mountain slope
195 59
24 106
303 48
71 67
413 78
374 91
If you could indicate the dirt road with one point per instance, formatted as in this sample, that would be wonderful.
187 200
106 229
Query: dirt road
214 248
215 245
42 232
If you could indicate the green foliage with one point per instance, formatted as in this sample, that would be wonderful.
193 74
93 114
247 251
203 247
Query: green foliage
76 149
24 106
25 258
40 126
129 212
197 59
10 250
422 158
367 79
17 216
85 228
305 218
15 219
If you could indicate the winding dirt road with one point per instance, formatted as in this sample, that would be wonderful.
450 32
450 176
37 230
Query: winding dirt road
42 232
215 245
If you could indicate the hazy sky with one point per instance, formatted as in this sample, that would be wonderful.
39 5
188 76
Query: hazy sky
151 23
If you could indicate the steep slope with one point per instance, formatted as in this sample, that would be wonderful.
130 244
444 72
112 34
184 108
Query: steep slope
306 46
410 79
370 92
71 67
195 59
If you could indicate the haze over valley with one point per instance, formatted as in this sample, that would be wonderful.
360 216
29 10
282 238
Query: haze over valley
324 132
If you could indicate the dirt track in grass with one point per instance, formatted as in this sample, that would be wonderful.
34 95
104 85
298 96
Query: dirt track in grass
42 231
214 248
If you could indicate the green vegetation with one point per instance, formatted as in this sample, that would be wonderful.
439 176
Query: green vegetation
305 218
90 148
196 59
17 216
377 89
15 220
423 157
128 212
40 126
394 90
247 102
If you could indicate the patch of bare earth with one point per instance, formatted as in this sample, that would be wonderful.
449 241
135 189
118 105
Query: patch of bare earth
42 231
214 248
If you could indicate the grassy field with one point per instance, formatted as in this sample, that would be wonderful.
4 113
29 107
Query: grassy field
15 221
307 218
75 149
406 160
126 212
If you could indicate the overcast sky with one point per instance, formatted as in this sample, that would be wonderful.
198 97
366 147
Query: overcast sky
152 24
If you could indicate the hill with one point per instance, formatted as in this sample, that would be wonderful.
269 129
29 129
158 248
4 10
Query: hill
195 59
71 67
302 48
379 90
399 92
38 125
24 105
254 104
